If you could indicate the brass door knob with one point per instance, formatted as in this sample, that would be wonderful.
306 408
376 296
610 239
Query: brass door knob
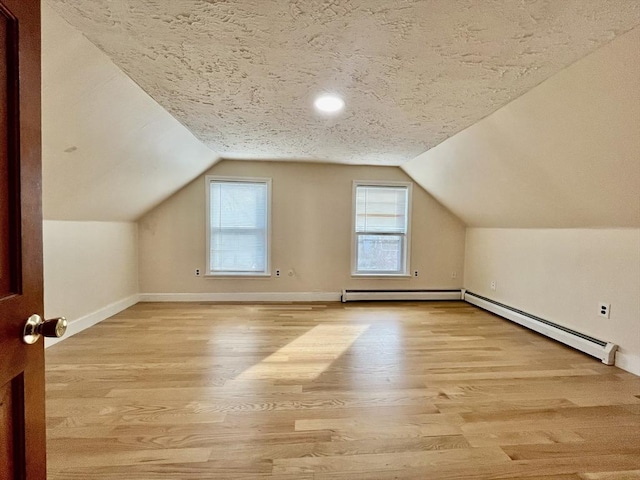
36 326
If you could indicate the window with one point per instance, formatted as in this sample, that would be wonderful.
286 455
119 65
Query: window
238 226
381 233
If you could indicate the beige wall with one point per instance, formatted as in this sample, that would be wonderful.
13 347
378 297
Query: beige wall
88 267
561 275
563 155
311 234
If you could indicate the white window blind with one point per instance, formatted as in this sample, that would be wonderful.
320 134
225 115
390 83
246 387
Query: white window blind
238 226
381 229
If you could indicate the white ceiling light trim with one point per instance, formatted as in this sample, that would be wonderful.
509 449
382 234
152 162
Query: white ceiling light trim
329 103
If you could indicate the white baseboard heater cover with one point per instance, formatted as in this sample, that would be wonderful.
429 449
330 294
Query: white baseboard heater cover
379 295
602 350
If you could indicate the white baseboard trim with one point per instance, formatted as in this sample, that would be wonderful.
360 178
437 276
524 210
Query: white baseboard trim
79 324
242 297
628 362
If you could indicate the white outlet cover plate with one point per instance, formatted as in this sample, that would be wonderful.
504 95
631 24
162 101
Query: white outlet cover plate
604 309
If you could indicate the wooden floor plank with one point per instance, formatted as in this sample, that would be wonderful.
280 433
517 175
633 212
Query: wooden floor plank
331 391
628 475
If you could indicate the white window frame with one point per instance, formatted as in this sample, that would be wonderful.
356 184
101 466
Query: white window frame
354 235
215 178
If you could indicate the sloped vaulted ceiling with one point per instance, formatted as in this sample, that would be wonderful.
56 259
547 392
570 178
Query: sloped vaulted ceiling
565 154
110 152
241 74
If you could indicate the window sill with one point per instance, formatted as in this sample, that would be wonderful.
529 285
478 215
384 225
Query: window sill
381 275
237 275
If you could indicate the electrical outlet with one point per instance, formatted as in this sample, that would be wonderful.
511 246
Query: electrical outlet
197 272
604 309
277 273
454 274
415 273
493 285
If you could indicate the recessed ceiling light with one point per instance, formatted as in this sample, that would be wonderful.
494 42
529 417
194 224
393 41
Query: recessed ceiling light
329 103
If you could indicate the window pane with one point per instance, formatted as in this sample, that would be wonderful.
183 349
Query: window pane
236 204
381 209
238 226
238 251
380 253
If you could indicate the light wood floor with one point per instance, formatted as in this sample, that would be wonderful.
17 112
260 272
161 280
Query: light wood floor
374 391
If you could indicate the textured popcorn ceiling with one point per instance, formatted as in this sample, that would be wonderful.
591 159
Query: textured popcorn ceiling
242 74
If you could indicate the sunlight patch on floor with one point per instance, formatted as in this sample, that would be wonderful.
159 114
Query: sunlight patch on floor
306 357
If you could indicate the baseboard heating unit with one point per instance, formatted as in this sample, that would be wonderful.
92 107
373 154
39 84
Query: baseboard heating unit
410 295
602 350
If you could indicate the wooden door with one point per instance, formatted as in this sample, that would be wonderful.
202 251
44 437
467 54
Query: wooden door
22 417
